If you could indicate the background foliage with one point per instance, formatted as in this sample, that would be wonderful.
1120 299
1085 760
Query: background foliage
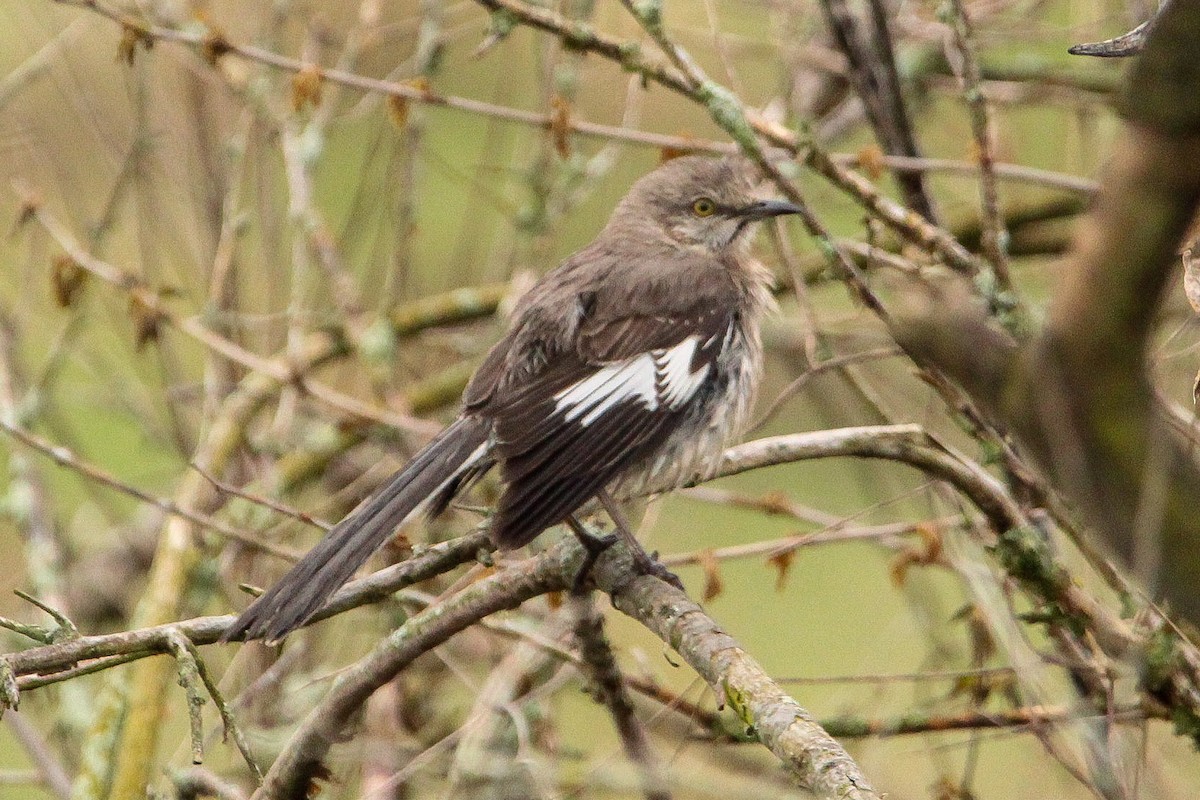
183 218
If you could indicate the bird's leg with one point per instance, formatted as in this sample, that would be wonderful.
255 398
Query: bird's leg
593 546
648 564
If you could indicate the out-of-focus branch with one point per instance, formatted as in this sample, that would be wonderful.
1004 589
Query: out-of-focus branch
51 771
994 235
1079 395
1036 77
198 783
1027 716
876 80
46 554
175 555
600 665
304 754
153 311
65 458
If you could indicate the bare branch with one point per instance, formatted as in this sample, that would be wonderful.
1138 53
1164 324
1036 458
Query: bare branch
775 719
600 666
305 752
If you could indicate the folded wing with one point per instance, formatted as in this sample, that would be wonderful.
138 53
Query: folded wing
588 417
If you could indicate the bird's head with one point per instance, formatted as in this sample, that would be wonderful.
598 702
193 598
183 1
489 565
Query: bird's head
699 202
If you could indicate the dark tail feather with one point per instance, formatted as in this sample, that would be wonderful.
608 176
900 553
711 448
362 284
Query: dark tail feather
304 589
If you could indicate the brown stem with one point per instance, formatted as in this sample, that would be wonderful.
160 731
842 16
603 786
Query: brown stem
305 752
600 665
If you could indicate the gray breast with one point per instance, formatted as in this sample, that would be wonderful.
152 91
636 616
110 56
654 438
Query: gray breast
694 450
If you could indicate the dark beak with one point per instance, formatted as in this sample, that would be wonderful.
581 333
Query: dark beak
768 208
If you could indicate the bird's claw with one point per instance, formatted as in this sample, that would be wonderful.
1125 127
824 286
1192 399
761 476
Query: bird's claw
649 564
593 546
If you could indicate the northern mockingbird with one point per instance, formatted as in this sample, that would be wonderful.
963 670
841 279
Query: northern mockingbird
628 367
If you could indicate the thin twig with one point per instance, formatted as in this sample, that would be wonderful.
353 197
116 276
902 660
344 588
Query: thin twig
994 234
600 666
265 502
65 458
835 363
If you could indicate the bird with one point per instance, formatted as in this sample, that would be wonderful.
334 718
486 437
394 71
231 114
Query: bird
629 367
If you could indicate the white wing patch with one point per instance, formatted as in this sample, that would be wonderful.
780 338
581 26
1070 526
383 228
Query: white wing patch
659 378
677 381
594 395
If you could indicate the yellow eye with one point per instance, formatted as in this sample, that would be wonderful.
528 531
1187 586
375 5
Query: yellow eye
704 207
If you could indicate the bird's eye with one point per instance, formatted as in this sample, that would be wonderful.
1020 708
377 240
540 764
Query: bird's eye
704 207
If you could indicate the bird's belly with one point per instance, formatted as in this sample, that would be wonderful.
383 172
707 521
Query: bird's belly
694 450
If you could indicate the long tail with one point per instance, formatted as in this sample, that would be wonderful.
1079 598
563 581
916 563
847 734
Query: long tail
302 592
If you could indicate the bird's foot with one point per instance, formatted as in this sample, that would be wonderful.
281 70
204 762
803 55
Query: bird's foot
593 546
648 564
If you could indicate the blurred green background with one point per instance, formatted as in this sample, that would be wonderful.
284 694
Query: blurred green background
149 163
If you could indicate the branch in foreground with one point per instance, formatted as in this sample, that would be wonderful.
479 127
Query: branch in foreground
40 664
1079 395
819 763
301 759
816 760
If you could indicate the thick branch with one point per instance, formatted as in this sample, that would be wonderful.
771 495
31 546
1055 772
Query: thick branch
787 730
1079 395
508 588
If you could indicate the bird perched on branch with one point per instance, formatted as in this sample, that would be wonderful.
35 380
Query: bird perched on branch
628 367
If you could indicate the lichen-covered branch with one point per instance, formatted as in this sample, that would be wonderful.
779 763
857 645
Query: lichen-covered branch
818 762
49 663
1079 395
305 752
